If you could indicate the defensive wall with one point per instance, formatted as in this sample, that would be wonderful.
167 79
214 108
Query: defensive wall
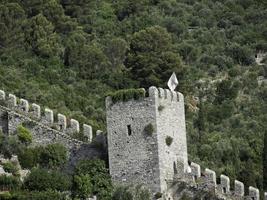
49 129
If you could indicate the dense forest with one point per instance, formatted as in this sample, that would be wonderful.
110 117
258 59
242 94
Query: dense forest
69 54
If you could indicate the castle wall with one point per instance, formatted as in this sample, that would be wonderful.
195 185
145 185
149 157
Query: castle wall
171 123
48 129
133 157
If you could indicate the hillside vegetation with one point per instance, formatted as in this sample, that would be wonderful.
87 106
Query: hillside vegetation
68 54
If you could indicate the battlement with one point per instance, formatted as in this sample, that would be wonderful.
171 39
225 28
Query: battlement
153 93
206 180
45 116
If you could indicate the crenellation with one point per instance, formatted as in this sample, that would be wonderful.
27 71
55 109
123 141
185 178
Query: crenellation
24 105
2 95
48 116
12 101
225 184
254 193
62 122
167 95
88 132
265 195
195 170
239 189
161 93
174 96
180 97
75 126
36 111
210 177
153 92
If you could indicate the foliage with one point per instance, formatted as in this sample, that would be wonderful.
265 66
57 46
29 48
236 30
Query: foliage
169 140
96 172
44 180
149 129
137 192
36 195
53 156
126 95
82 186
9 183
24 135
10 168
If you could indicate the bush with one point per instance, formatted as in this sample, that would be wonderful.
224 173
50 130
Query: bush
126 95
24 135
9 183
44 180
99 176
10 168
5 196
169 140
149 129
53 156
30 157
35 195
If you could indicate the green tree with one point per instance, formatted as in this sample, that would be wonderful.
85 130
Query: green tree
82 186
151 58
41 37
98 174
53 156
43 180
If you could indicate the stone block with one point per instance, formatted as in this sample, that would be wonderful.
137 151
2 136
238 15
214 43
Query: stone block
2 95
196 170
36 111
88 132
239 188
225 184
254 193
24 105
62 122
210 177
49 116
75 126
12 101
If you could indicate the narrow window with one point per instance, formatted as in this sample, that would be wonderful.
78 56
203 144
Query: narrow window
224 190
175 168
129 130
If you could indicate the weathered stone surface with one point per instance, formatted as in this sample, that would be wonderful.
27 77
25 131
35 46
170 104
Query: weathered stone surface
210 178
36 111
88 132
24 105
254 193
62 122
2 95
225 184
196 171
239 188
136 156
12 101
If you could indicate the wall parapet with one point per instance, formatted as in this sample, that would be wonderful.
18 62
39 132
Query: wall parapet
207 179
34 112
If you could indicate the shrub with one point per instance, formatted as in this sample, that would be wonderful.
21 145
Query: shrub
36 195
169 140
30 157
10 168
160 108
158 195
126 95
98 173
53 156
24 135
44 180
149 129
9 182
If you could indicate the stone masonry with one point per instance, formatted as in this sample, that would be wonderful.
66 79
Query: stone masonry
137 157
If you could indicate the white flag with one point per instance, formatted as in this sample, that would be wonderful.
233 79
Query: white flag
173 82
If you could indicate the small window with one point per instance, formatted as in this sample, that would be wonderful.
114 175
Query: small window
129 130
224 190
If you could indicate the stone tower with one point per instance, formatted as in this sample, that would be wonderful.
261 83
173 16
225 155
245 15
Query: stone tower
147 139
